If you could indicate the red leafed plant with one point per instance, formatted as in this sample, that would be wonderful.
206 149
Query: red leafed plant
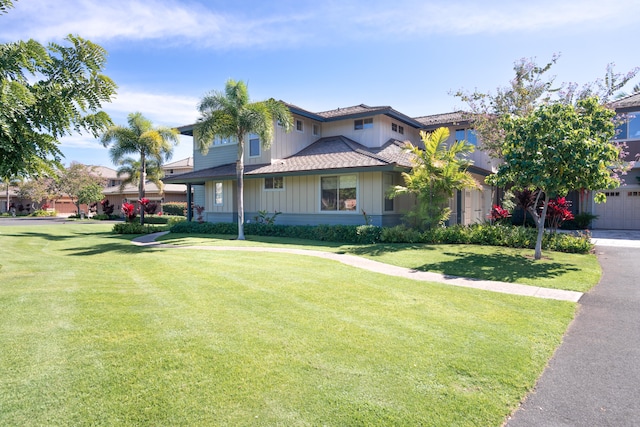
499 214
129 211
558 212
144 201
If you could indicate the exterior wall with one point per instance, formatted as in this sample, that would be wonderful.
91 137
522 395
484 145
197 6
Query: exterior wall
479 158
217 155
374 137
286 144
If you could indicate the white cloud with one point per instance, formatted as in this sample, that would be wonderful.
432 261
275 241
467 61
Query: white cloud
161 109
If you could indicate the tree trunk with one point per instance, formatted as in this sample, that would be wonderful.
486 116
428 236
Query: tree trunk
143 177
240 179
540 224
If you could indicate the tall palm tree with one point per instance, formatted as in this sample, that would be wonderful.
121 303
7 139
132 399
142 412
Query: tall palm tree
230 114
152 144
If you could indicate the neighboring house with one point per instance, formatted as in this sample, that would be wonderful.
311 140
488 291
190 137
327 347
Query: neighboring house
622 209
171 192
64 206
332 167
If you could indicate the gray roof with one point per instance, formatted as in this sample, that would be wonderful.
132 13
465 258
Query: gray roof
628 102
326 154
453 118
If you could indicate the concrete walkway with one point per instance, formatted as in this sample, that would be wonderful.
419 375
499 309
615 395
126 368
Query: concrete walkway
378 267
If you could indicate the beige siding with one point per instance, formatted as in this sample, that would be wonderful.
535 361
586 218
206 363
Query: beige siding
286 143
227 196
218 155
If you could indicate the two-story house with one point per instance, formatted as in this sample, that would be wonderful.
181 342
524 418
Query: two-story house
332 167
622 209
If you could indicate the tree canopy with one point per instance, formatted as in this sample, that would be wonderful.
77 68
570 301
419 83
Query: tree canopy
558 148
231 114
46 93
77 181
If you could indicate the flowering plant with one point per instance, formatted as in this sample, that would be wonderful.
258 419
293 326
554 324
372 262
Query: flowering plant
558 212
129 211
144 201
499 214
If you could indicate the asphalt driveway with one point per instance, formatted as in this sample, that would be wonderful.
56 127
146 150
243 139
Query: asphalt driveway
594 377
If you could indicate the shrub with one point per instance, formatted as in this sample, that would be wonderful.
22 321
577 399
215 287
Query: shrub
107 208
581 221
135 228
368 233
129 211
400 234
42 212
175 208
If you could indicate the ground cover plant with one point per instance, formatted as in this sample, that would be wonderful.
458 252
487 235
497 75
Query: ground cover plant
557 270
108 333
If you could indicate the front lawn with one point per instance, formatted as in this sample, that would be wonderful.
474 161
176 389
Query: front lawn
97 331
557 270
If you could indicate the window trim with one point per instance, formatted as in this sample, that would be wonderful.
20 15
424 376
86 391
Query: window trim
338 211
264 184
362 124
315 129
301 130
385 188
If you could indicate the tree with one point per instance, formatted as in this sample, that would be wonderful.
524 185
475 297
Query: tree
5 5
230 114
131 170
151 143
47 93
73 181
38 189
437 172
90 194
557 148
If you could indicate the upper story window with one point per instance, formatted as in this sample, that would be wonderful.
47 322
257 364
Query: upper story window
223 141
363 124
299 125
254 146
316 130
401 130
468 135
628 126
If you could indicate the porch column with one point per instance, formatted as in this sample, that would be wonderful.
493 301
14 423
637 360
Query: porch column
189 203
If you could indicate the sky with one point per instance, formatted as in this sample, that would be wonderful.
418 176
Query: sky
165 55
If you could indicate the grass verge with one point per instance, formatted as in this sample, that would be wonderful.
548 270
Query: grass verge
96 331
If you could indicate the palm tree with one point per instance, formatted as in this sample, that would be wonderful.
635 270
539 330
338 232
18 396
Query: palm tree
152 144
130 169
230 114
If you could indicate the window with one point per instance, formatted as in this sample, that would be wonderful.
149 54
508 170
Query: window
316 130
363 124
254 146
218 194
223 141
338 193
468 135
394 127
299 125
629 126
275 183
401 130
387 183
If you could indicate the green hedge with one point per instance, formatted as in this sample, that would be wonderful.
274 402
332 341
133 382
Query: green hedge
175 208
477 234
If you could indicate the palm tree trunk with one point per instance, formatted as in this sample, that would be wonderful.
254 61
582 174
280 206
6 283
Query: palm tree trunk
240 179
143 177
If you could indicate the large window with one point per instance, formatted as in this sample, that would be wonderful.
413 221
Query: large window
363 124
339 193
275 183
254 146
218 194
629 126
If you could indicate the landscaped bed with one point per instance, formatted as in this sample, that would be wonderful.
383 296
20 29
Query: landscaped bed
97 331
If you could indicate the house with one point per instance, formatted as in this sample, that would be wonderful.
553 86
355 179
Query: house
129 193
622 209
330 169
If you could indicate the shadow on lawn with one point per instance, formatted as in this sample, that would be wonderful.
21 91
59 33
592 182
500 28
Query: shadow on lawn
500 267
118 243
382 248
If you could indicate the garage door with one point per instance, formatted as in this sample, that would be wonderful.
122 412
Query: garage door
621 211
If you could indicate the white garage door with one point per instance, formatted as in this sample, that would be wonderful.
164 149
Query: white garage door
621 211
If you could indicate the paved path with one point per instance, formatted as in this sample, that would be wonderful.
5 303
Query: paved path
378 267
594 377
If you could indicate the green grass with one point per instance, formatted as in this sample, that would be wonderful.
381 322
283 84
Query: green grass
96 331
557 270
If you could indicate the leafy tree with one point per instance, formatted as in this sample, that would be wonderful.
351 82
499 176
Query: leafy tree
90 194
438 171
38 189
230 114
73 181
151 143
46 93
557 148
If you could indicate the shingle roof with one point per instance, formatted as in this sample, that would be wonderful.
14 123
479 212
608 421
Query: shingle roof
351 111
630 101
330 153
184 163
443 118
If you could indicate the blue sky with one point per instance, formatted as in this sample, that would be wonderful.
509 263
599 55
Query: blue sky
166 54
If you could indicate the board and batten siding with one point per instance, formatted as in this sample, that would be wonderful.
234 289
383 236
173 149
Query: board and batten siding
374 137
218 155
